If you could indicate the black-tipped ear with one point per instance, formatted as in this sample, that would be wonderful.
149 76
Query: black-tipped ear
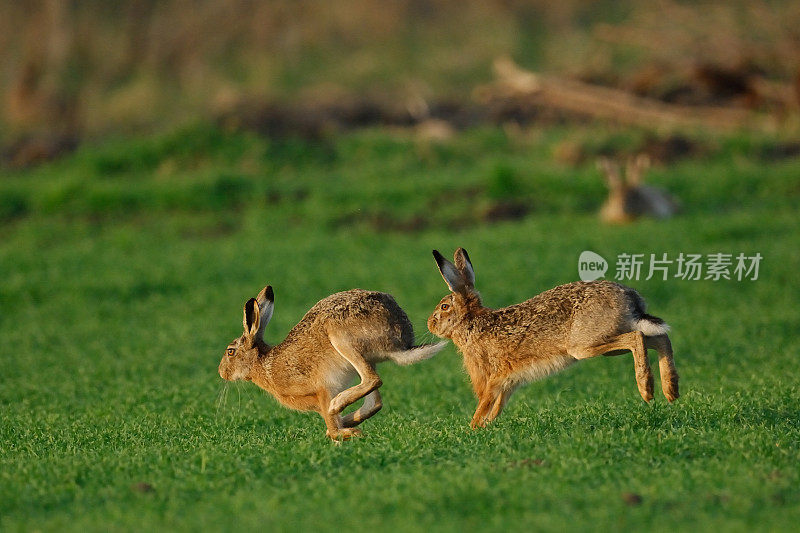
266 305
266 295
464 265
252 318
454 279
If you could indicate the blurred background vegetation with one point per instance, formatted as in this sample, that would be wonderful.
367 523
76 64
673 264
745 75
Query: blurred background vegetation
73 70
160 161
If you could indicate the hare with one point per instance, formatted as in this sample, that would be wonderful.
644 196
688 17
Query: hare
341 336
628 199
506 348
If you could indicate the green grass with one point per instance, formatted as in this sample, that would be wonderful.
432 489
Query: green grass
125 267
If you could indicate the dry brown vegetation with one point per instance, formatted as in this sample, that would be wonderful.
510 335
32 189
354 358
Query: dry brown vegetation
72 69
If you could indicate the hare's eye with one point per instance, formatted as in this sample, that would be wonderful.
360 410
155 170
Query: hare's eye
231 351
445 307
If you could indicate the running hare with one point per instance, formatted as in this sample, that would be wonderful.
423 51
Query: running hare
506 348
629 199
341 336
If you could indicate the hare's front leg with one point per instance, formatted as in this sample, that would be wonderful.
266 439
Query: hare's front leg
370 380
333 422
490 404
484 404
499 404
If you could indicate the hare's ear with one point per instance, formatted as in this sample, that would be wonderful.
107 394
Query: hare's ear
452 276
266 304
252 319
464 265
610 171
636 168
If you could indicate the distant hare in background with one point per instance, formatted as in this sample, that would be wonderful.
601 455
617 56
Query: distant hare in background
508 347
341 336
628 198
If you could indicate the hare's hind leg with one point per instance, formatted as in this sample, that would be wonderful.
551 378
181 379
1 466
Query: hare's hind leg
666 365
370 380
372 404
633 341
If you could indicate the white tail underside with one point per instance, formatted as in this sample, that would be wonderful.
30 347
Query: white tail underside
651 329
414 355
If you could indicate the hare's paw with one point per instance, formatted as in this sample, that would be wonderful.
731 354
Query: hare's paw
645 386
343 434
348 433
670 387
477 423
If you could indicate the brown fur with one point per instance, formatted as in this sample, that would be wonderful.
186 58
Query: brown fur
340 337
628 198
505 348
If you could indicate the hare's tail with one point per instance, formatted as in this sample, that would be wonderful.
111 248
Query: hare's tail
416 353
649 325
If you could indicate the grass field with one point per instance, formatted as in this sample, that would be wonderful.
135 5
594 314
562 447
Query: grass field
123 271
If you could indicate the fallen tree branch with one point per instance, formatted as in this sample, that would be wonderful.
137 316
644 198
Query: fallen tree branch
608 103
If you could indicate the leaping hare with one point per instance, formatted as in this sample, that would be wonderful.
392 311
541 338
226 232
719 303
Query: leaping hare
506 348
341 336
628 198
